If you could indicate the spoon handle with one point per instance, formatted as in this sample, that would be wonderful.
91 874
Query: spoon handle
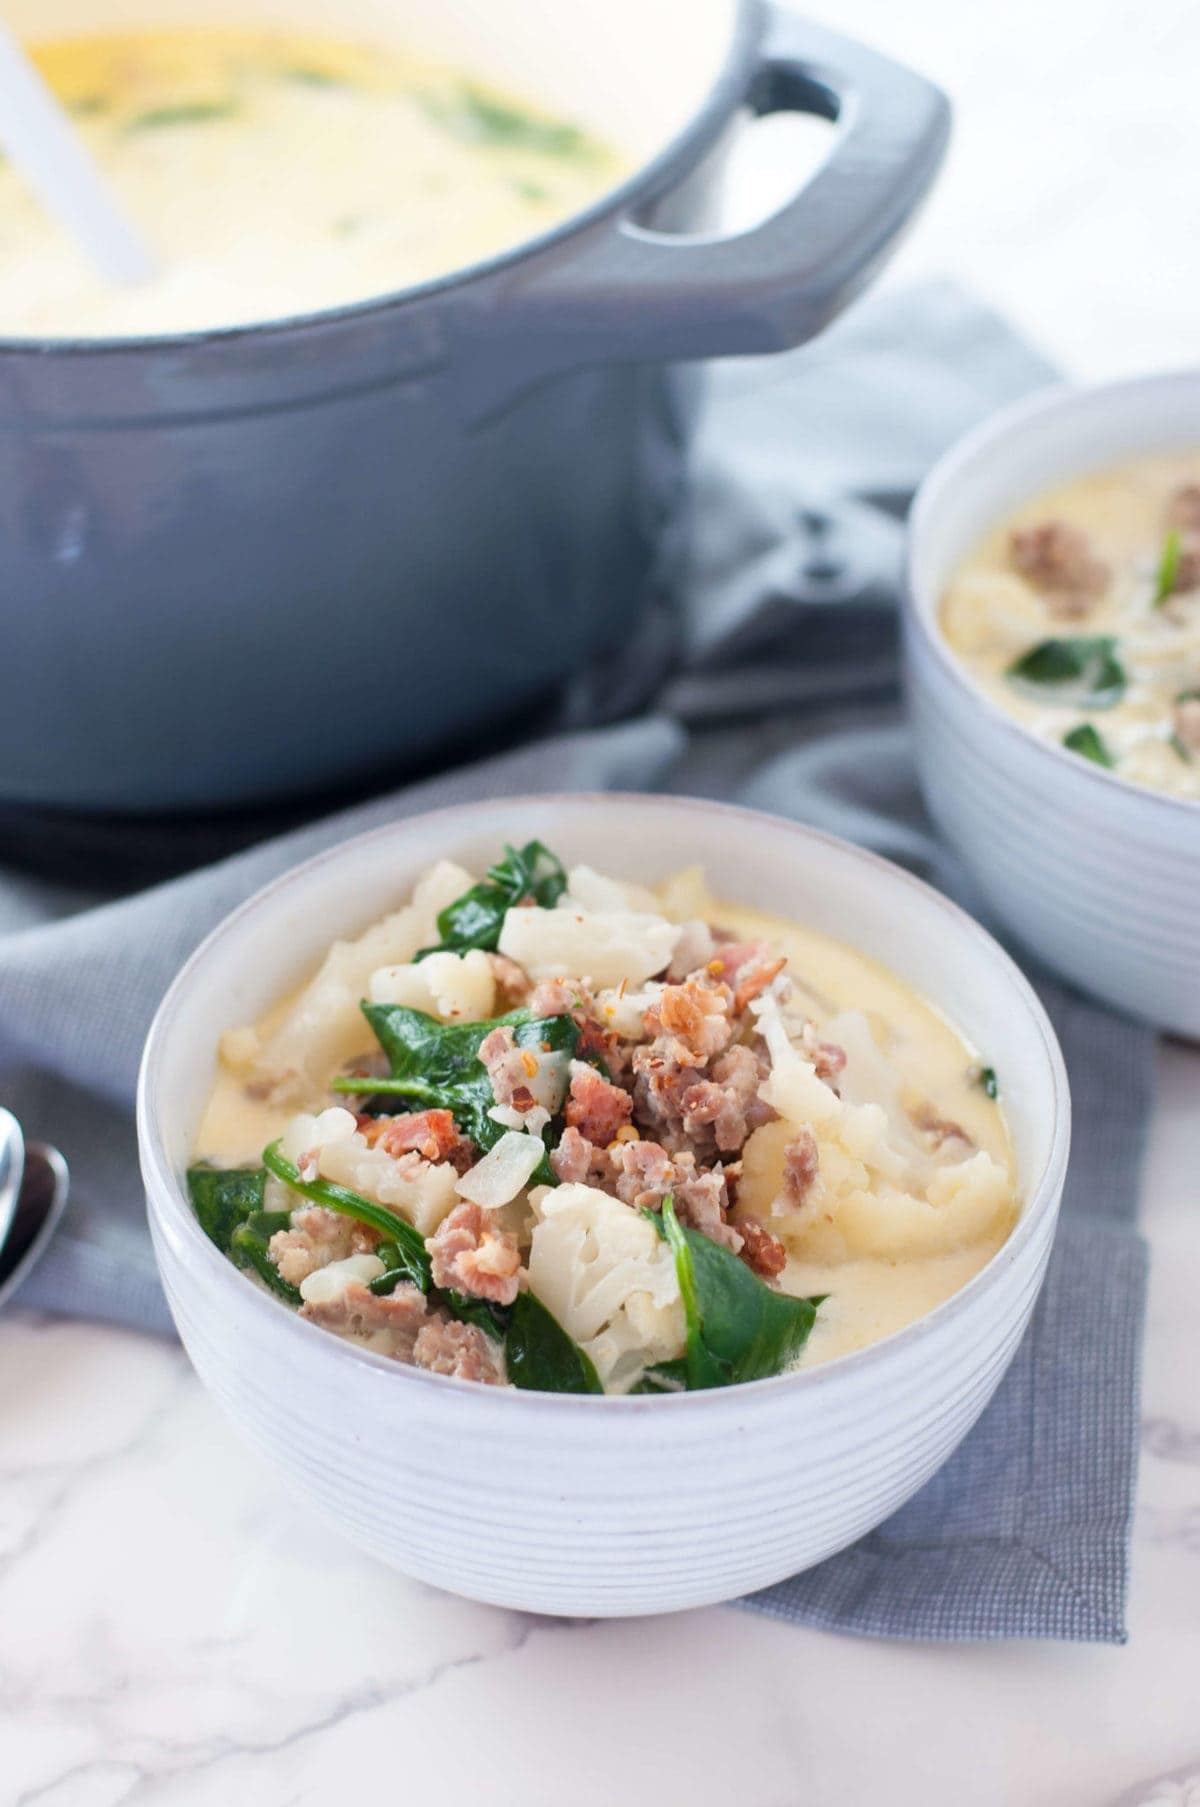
46 149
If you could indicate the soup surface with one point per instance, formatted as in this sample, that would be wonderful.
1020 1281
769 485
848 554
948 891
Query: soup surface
1080 616
636 1140
274 174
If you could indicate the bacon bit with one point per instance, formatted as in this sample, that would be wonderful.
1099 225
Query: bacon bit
758 981
529 1062
522 1098
763 1253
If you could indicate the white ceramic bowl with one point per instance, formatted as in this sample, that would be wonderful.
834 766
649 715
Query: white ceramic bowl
1098 876
591 1505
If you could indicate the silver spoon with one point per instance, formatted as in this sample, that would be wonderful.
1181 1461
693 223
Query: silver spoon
40 1203
12 1168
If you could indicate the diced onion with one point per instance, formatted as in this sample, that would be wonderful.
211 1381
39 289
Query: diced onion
504 1171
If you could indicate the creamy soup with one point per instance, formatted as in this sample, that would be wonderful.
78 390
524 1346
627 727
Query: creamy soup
1080 616
273 174
553 1130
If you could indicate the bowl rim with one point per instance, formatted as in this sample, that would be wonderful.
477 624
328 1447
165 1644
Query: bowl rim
921 607
1041 1200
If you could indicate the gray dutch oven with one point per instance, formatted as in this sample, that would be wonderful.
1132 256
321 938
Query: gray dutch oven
239 564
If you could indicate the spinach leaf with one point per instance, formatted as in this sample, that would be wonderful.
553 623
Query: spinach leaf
529 874
664 1377
1168 567
1083 670
223 1197
248 1248
493 1320
307 75
737 1328
190 112
438 1065
541 1357
1085 741
481 118
408 1242
985 1079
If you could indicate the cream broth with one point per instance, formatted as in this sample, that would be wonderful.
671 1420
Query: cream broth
871 1293
1112 558
275 174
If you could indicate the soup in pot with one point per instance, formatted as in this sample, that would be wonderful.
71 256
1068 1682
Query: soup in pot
1080 616
274 174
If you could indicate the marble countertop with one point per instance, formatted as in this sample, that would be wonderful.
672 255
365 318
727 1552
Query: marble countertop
173 1630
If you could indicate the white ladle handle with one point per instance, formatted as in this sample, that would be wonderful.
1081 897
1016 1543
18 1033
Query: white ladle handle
45 148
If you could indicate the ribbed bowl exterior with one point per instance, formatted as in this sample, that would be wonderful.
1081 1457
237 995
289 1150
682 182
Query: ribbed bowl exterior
570 1507
583 1506
1099 878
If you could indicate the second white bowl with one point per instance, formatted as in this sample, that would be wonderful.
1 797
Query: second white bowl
1099 877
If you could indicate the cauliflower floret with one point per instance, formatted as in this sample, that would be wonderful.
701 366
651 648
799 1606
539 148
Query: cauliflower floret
331 1281
623 1011
421 1191
457 988
324 1027
604 1272
604 946
590 890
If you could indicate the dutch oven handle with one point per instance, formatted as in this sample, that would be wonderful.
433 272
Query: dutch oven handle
626 292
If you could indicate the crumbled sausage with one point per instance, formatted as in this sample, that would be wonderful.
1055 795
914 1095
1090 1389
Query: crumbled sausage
689 1023
444 1346
753 981
701 1202
1186 720
560 997
642 1173
511 981
760 1250
433 1135
1060 562
470 1254
726 1105
573 1160
827 1057
1183 513
596 1107
801 1165
940 1132
394 1318
316 1238
508 1069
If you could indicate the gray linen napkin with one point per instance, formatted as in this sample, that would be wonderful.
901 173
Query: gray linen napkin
776 686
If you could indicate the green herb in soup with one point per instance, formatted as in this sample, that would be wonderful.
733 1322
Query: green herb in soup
541 1357
1084 670
1089 744
530 874
737 1327
483 118
438 1065
185 113
1168 567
